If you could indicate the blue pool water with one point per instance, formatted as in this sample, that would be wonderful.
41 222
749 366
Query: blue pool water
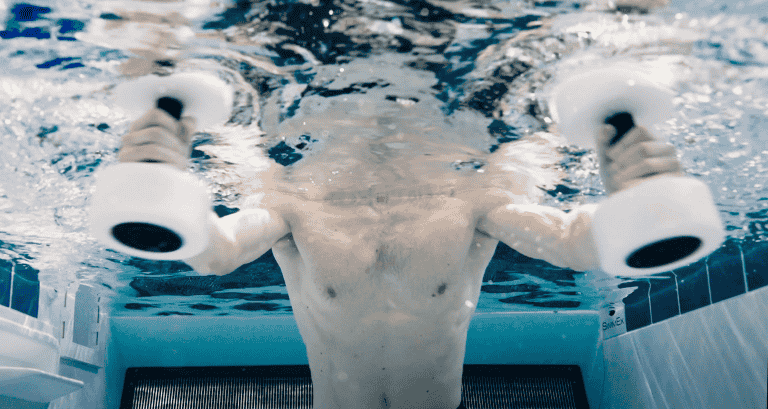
489 65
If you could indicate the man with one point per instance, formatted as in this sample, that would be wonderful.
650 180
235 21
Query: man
383 286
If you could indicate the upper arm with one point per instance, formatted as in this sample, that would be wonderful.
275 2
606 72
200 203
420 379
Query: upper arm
541 232
239 238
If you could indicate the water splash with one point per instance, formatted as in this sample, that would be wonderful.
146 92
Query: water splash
489 65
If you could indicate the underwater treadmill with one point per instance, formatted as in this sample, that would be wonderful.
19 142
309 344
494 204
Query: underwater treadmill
290 386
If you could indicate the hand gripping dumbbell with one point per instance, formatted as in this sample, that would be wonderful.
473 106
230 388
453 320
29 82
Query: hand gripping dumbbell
659 224
154 210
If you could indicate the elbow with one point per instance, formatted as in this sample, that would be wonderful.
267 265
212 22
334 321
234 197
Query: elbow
219 270
582 266
207 264
221 255
210 269
582 253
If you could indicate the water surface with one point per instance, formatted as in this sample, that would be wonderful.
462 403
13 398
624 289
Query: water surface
335 98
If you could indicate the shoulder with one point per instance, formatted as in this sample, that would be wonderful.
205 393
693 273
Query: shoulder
486 200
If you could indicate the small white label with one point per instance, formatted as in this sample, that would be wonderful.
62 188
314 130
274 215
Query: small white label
613 322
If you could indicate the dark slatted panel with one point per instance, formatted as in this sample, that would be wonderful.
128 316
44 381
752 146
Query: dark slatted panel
523 386
273 387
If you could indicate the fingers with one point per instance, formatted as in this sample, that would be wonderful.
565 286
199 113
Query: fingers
642 151
188 127
607 132
635 135
158 137
156 117
635 156
152 153
648 167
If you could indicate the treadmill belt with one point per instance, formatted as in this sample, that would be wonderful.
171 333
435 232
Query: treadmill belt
290 386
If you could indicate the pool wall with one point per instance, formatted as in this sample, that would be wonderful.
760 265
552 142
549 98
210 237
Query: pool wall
714 357
703 341
76 326
695 338
552 338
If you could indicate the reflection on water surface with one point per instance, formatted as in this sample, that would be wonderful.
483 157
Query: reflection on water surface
334 97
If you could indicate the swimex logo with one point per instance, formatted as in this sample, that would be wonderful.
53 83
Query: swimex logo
618 321
613 320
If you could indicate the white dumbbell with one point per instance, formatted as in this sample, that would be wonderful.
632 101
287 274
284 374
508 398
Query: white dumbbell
663 223
154 210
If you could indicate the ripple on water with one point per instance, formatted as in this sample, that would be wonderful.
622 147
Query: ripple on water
482 66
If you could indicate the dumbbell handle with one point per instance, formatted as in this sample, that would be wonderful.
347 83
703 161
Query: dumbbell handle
623 123
172 106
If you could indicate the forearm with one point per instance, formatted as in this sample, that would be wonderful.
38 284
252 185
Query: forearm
545 233
238 239
576 245
222 250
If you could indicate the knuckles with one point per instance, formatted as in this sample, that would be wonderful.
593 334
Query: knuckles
636 156
646 148
157 138
154 135
158 132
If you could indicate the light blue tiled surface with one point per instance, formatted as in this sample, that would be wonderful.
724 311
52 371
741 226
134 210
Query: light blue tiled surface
732 270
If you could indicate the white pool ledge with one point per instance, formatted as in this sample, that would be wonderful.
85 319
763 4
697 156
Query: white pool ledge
34 385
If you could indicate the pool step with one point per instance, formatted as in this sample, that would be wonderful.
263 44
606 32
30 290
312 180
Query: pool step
290 386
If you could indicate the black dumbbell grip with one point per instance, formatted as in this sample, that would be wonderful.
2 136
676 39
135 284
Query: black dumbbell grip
623 123
171 105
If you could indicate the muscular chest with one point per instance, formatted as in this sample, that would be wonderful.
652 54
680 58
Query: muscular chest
394 252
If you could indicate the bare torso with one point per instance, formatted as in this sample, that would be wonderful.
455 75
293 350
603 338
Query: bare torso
383 290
